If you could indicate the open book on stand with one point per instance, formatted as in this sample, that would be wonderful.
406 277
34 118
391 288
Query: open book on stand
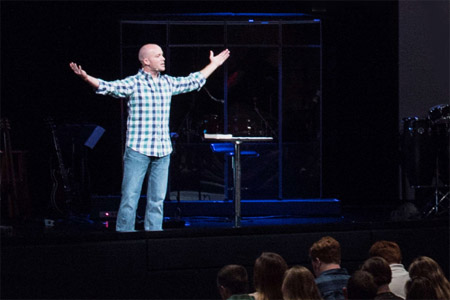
217 136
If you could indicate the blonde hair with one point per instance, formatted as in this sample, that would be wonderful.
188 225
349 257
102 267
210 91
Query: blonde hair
299 284
424 266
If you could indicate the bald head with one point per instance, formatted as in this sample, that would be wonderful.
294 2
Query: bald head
151 58
146 50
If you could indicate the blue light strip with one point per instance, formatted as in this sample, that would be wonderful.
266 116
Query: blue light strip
222 14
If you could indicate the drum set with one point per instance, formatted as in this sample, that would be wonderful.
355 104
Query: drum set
425 154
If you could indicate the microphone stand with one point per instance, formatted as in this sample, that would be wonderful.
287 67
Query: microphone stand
212 97
266 123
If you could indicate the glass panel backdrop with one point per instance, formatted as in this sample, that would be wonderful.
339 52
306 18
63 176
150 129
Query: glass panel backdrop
270 86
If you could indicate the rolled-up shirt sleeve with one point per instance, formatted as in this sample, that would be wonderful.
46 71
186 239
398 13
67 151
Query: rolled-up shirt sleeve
180 85
117 89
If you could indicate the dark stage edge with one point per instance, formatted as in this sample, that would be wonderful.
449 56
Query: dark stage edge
89 261
225 208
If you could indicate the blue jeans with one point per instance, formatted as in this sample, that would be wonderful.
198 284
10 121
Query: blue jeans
136 167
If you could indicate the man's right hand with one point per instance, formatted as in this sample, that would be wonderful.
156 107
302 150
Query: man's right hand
83 75
78 70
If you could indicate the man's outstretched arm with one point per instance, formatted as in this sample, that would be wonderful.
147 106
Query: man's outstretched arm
92 81
215 62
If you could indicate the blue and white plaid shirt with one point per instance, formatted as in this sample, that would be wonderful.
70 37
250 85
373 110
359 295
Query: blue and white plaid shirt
149 107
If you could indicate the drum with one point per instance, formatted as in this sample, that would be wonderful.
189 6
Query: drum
418 151
442 135
440 117
440 114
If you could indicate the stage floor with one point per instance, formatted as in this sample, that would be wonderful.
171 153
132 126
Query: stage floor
201 215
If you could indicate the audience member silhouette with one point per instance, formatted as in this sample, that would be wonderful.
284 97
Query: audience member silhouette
232 283
424 266
420 288
273 280
382 275
325 255
299 284
360 286
268 275
390 251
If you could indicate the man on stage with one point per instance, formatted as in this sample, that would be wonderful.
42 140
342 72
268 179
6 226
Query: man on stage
148 144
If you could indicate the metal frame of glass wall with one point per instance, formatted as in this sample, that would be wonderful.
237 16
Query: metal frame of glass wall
270 34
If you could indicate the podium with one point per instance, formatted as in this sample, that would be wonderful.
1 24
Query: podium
237 141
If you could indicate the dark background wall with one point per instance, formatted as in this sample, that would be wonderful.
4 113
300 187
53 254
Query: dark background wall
360 92
423 56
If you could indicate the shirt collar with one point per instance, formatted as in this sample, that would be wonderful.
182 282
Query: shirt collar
147 75
397 266
335 271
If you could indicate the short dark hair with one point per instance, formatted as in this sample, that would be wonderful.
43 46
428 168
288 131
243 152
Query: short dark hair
361 285
380 270
234 278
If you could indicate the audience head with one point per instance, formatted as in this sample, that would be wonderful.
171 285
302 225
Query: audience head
420 288
298 284
232 280
268 275
326 251
390 251
361 285
427 267
380 270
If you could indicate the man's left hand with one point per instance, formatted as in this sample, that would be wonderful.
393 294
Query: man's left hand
220 58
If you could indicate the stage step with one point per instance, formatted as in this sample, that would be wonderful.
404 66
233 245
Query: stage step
107 206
